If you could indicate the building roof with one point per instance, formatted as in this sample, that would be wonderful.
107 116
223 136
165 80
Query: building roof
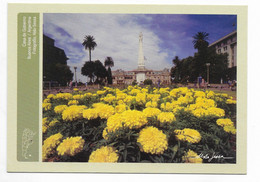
223 38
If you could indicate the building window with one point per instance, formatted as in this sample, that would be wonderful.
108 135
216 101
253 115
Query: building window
219 51
225 48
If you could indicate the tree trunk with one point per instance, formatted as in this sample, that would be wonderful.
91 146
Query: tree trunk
90 55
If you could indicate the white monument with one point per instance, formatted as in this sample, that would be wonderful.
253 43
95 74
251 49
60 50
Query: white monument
140 75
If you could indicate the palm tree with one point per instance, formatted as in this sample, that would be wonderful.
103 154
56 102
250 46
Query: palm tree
109 63
89 44
200 41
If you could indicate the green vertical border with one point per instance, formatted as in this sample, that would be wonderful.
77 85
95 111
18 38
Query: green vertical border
27 92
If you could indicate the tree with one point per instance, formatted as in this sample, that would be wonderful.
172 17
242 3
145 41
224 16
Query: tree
109 63
200 41
89 44
96 71
176 69
88 70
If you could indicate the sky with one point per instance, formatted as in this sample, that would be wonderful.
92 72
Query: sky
117 35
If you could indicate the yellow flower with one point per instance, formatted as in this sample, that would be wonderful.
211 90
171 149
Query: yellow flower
230 129
90 114
71 146
189 135
104 154
141 98
45 124
200 112
77 97
73 102
73 112
75 89
151 104
50 144
60 108
50 96
166 117
151 112
109 98
101 92
46 106
104 111
224 122
88 94
230 101
121 108
65 96
210 94
167 106
199 94
53 122
46 100
152 140
213 111
191 157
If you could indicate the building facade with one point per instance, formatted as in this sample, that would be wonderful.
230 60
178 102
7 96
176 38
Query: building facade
227 44
121 77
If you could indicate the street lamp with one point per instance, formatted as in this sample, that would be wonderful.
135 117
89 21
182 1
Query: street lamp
208 64
75 74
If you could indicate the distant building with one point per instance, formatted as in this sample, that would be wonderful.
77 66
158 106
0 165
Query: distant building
227 44
51 53
121 77
141 73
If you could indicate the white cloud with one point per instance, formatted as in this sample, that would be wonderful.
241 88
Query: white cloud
116 36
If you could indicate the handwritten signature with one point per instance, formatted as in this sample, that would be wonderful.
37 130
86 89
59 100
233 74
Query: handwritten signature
27 140
213 156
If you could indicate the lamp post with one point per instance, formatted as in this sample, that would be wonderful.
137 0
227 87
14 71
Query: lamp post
75 68
208 64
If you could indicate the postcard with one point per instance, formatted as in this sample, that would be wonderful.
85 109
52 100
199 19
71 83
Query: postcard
127 88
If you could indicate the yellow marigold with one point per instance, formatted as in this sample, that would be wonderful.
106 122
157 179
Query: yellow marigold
53 122
133 119
200 112
199 94
213 111
73 112
121 96
88 94
114 122
104 134
134 91
230 101
230 129
73 102
104 154
101 92
46 106
121 108
164 90
151 104
51 96
104 111
71 146
109 98
90 114
77 97
129 99
60 108
176 109
191 157
167 106
189 135
210 94
166 117
141 98
151 112
50 144
224 122
152 140
46 100
153 97
75 89
65 96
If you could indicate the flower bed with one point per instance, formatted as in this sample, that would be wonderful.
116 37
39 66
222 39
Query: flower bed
139 125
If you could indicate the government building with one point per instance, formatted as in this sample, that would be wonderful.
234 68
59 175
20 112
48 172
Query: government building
140 74
227 44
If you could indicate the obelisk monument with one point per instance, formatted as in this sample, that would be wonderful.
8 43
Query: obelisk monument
140 75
